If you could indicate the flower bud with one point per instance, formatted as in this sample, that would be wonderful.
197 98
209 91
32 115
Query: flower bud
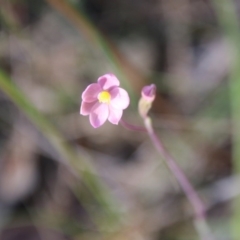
145 103
149 92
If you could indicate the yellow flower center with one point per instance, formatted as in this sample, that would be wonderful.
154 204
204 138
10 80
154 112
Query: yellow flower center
104 97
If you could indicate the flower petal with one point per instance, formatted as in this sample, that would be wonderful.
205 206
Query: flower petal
86 108
91 92
108 80
119 98
115 115
99 114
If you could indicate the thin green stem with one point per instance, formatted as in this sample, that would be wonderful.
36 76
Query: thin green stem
228 20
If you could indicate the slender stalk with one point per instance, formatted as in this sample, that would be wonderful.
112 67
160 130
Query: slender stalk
198 206
185 184
132 127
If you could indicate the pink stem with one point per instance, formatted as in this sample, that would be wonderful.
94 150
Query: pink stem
198 206
133 127
182 179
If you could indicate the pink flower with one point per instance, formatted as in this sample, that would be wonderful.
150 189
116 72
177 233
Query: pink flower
104 100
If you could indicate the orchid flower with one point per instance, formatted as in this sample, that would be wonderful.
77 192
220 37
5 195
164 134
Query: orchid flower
104 100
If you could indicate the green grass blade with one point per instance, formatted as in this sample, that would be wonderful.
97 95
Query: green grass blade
227 16
79 164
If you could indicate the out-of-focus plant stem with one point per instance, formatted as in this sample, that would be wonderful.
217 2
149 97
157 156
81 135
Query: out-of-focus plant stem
229 23
97 39
124 69
77 163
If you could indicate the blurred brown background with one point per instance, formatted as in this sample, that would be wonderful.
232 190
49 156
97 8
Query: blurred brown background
51 51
